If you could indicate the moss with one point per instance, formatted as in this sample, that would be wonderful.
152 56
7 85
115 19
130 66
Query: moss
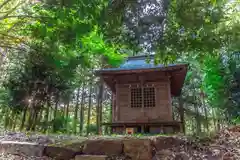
66 143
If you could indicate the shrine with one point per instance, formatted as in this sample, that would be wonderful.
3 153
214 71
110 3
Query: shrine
142 95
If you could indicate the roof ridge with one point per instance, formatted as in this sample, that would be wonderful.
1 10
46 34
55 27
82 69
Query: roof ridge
140 56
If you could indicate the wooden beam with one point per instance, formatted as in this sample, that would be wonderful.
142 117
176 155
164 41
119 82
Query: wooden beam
163 123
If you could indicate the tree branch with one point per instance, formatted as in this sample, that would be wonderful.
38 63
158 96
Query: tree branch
14 25
10 11
24 16
4 3
10 36
15 48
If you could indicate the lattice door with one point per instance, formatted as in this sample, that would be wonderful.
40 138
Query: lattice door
149 97
136 97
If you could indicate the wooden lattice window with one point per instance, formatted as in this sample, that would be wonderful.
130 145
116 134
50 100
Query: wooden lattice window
145 95
136 97
149 97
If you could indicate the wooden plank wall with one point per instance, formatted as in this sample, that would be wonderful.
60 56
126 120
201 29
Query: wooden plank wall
161 112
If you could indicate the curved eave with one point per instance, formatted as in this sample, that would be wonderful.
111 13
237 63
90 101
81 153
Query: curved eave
177 76
110 71
177 81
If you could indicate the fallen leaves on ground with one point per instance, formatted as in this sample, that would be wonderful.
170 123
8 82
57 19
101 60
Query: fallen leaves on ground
223 146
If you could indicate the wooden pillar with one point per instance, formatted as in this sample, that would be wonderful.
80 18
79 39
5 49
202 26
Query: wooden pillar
141 85
142 129
162 129
113 107
169 96
141 78
111 129
117 103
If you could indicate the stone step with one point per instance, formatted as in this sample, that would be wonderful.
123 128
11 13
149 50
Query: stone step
91 157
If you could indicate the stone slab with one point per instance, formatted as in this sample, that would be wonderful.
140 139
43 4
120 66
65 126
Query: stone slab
59 153
138 149
25 148
103 147
91 157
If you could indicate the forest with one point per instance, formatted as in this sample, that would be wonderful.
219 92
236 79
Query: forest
50 50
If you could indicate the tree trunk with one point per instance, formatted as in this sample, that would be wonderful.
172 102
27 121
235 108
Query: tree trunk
193 126
39 119
64 109
197 118
99 106
4 110
218 119
67 115
2 113
30 118
181 113
198 123
35 118
14 120
76 112
7 118
214 119
82 111
55 112
206 114
23 118
218 125
31 106
34 121
46 117
89 108
56 106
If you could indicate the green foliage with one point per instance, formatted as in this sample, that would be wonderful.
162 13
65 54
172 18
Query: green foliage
236 120
58 124
58 46
202 27
218 79
94 43
12 20
214 82
92 128
62 42
4 97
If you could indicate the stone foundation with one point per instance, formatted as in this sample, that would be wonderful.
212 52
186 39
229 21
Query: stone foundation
152 130
97 149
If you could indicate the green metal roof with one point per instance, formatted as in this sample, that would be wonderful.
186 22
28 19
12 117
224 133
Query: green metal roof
138 62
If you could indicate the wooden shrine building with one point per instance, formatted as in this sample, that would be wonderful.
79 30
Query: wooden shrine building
142 95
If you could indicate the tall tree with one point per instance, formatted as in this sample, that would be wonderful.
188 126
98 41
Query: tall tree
89 108
76 111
